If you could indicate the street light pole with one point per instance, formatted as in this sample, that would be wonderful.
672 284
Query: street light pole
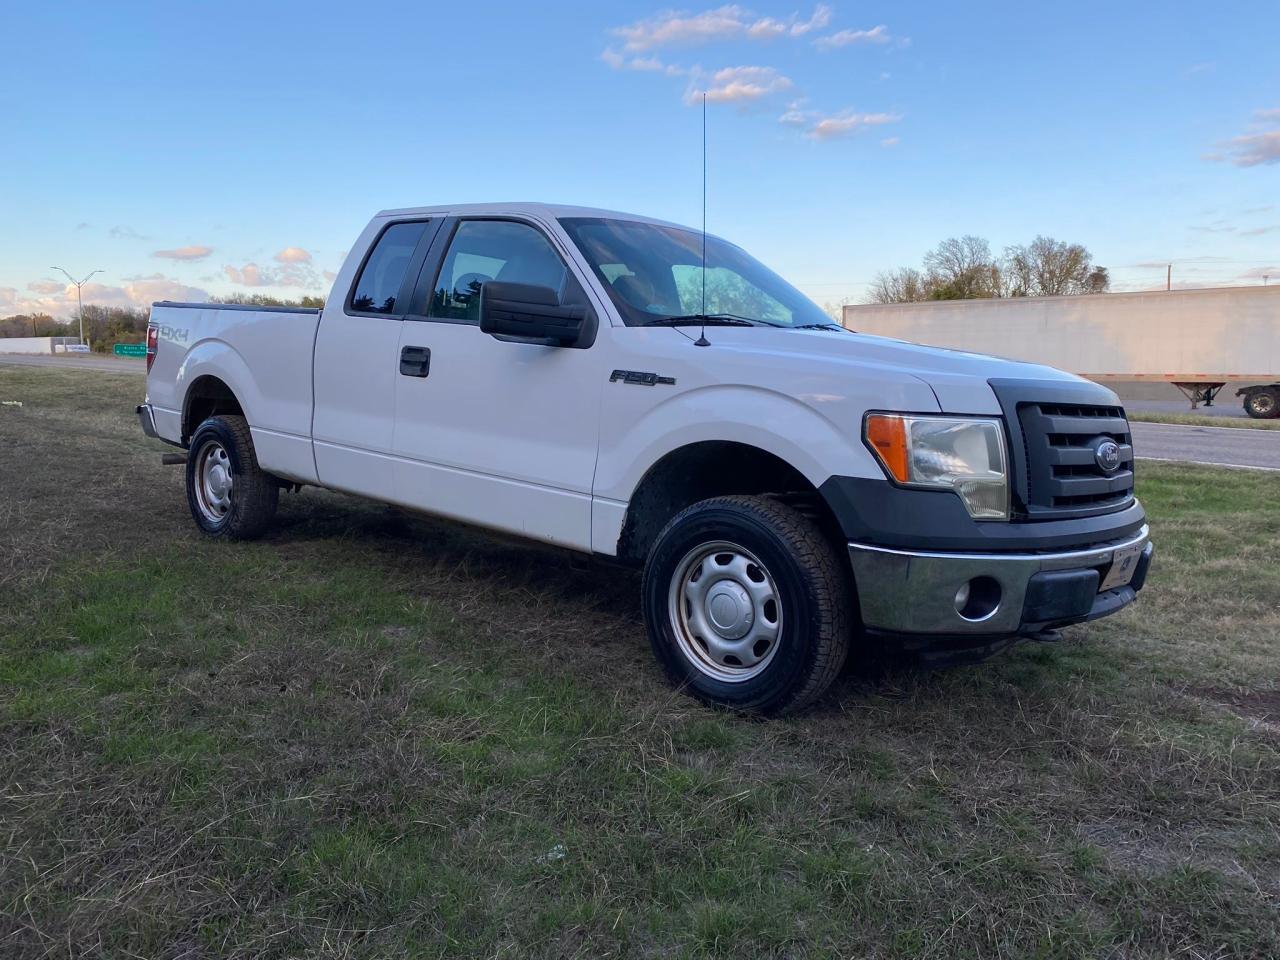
79 301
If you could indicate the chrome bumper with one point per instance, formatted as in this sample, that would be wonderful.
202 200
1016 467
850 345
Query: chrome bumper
903 591
147 418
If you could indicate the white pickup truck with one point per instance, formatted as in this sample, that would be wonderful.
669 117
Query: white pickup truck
597 381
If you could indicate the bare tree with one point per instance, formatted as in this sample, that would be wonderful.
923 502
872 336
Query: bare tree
1051 268
962 268
899 286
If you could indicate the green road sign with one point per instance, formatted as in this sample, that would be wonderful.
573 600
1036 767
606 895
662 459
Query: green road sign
130 349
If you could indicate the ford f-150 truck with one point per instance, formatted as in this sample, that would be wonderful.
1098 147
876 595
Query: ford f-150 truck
607 383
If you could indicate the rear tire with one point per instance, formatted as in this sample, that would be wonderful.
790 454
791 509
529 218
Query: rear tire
1263 404
747 605
230 496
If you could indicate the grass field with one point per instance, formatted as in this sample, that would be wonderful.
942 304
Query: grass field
1201 420
377 736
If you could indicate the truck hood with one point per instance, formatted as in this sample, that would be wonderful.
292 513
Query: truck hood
958 379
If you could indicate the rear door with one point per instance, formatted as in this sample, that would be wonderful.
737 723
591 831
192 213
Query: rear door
493 432
357 357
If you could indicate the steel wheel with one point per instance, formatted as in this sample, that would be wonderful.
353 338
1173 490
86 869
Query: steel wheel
725 611
214 481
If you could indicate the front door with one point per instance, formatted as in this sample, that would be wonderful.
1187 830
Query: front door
492 432
356 361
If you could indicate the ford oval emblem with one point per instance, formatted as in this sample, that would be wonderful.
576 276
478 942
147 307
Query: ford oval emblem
1106 453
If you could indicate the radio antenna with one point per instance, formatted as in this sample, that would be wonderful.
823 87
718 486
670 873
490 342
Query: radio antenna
702 340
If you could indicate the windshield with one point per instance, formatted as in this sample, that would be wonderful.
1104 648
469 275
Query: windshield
654 272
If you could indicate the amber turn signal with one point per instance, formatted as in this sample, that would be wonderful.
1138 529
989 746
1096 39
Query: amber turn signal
887 435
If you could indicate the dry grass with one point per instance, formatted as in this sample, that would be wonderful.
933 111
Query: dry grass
378 736
1203 420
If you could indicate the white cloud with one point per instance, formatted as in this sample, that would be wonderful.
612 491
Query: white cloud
120 232
679 28
184 253
1251 149
290 274
845 38
138 292
250 275
293 255
739 85
828 127
1258 231
846 124
890 142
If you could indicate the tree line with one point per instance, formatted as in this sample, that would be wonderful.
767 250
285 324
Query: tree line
106 326
963 268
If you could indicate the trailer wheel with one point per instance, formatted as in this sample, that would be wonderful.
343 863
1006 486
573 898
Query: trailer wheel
1263 404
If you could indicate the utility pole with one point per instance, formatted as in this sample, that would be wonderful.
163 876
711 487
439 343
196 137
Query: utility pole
1168 279
79 301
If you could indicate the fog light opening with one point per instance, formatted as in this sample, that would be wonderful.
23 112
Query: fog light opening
979 599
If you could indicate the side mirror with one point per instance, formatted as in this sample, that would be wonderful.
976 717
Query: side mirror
528 314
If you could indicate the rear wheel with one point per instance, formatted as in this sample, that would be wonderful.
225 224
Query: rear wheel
747 605
229 494
1263 404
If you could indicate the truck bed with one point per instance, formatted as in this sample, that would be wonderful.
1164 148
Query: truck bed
265 351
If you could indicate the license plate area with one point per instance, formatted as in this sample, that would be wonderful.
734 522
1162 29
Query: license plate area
1124 564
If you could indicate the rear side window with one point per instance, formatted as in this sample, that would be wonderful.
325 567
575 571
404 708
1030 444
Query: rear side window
380 278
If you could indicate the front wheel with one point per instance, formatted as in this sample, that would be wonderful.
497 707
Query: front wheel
747 605
229 494
1263 404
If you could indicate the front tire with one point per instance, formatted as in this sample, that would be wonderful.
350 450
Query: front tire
230 496
1263 404
747 605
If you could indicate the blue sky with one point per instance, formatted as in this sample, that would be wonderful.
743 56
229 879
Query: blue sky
190 149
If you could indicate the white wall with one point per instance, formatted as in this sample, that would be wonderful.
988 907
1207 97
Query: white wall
1218 334
33 344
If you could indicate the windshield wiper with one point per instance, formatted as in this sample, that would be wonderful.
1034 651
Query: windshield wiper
693 319
818 326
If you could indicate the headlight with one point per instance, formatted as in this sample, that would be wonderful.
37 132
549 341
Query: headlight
946 453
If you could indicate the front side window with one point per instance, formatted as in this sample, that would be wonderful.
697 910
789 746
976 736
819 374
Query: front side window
378 285
653 272
483 250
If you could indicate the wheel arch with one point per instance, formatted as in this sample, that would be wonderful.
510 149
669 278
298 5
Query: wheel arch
208 396
214 378
704 469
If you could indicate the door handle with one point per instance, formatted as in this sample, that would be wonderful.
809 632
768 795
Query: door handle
415 361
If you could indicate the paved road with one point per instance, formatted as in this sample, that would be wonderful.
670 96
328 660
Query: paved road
1230 446
110 364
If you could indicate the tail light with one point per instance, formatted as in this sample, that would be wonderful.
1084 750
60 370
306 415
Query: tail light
153 335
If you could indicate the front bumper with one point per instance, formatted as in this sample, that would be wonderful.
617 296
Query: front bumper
915 592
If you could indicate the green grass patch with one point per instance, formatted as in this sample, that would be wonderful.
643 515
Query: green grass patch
371 735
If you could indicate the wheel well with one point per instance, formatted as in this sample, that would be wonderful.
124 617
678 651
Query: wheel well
208 397
713 468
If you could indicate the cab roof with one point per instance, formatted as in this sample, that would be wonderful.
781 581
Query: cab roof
546 210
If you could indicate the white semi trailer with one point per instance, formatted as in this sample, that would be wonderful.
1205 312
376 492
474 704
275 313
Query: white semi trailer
1197 340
